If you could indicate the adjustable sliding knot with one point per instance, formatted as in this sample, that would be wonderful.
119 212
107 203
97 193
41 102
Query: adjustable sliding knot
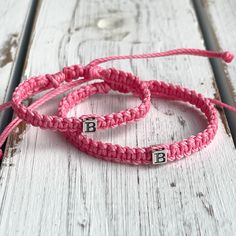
122 81
53 80
93 72
73 72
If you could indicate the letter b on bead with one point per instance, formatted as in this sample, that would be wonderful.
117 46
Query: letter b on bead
89 125
159 156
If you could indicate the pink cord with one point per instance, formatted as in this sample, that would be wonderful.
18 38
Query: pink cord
122 82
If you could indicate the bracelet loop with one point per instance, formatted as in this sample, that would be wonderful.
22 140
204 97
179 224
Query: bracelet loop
154 154
116 80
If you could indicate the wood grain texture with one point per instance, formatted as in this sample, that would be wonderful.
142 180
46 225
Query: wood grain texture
50 188
223 20
12 18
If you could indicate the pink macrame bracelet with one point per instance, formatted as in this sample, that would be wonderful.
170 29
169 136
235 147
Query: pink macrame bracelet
155 154
123 82
116 80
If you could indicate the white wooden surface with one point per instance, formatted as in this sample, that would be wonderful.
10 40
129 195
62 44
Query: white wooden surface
12 18
50 188
223 19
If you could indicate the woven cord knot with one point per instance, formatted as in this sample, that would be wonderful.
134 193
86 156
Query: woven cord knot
53 80
92 72
73 72
228 56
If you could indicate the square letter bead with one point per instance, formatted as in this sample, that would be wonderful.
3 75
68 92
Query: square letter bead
159 156
89 125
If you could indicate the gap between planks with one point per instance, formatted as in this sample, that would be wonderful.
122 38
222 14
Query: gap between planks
224 86
19 62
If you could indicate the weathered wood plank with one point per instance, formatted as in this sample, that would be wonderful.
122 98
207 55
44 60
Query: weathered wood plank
12 19
223 19
50 188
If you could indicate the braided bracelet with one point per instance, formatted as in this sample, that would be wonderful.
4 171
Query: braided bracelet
117 80
155 154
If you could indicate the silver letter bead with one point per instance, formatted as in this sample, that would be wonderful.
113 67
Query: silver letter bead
89 125
159 156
